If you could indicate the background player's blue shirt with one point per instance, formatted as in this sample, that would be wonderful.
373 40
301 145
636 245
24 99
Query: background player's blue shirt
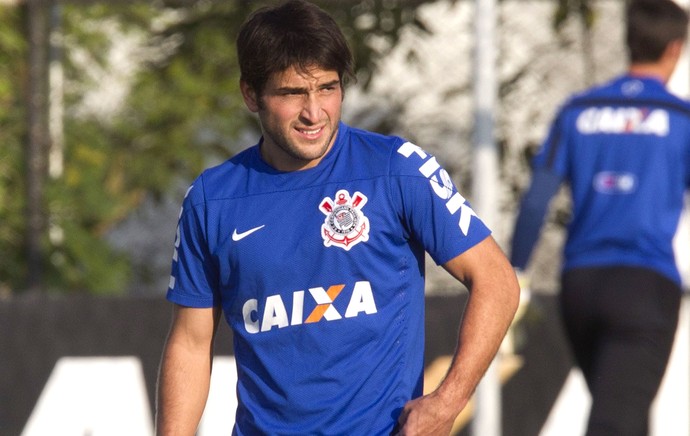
320 274
624 148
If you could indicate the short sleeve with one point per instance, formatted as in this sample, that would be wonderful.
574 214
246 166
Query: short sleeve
194 276
434 212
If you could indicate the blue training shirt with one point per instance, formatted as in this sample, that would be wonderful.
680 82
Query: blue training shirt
320 275
624 148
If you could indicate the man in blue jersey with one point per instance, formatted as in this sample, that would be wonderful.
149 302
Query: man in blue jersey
624 149
311 245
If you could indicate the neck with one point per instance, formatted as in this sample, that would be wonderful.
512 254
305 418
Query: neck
650 70
661 68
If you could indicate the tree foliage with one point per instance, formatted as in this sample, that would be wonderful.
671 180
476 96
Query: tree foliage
12 133
182 111
583 9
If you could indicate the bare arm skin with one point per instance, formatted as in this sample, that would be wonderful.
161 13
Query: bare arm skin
185 371
494 296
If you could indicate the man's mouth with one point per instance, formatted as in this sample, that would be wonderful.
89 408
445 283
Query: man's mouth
310 132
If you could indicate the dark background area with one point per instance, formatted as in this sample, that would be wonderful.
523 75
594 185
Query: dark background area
35 331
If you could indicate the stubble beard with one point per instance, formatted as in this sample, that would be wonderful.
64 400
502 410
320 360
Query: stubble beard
303 151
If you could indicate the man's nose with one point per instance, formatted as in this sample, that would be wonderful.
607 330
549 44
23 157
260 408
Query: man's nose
311 110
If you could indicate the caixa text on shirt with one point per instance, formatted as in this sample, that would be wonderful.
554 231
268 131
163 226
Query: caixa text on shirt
273 310
618 120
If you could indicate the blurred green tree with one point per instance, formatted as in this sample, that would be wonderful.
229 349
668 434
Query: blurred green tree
183 109
13 47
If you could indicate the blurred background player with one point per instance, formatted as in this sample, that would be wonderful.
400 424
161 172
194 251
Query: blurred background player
624 149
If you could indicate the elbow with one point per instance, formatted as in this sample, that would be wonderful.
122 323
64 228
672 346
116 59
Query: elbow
513 294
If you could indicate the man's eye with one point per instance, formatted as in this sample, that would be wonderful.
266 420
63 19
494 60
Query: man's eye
289 92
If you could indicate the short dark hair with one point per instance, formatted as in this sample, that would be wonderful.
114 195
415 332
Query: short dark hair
296 33
651 26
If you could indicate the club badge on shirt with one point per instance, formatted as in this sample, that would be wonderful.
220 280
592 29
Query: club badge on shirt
345 225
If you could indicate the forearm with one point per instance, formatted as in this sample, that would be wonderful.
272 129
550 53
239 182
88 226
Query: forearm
494 295
493 300
185 371
485 323
183 387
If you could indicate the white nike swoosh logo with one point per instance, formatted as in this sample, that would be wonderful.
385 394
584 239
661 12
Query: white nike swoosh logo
237 236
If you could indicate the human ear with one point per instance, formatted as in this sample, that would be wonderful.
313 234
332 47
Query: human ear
251 100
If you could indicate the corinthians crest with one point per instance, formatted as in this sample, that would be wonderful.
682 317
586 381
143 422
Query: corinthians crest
345 225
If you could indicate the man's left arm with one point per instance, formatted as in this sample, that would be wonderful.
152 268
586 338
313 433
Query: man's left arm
494 295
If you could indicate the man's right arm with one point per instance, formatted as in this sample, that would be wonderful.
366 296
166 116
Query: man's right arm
185 371
530 219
